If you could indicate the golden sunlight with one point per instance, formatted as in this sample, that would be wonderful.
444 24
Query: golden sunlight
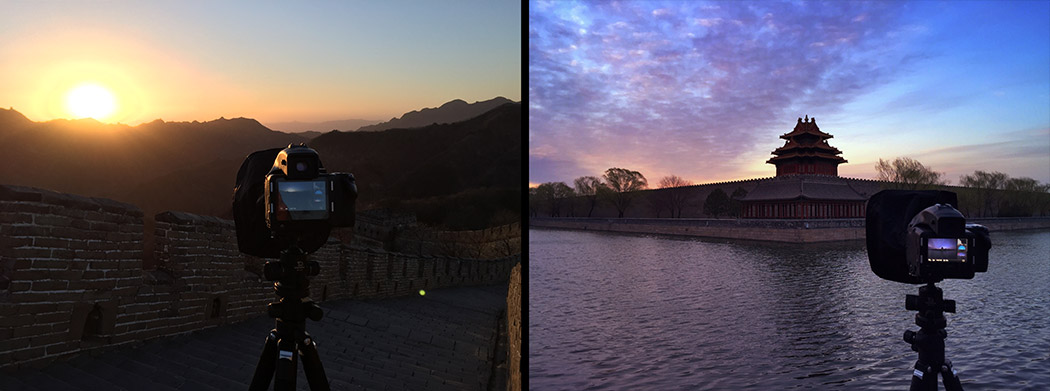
91 100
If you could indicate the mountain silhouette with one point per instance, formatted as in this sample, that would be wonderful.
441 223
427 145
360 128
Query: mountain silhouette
320 127
460 175
468 163
453 111
11 119
107 160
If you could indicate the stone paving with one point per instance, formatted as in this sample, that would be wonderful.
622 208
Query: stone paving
444 340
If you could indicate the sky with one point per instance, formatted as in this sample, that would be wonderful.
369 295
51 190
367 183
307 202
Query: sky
268 60
703 90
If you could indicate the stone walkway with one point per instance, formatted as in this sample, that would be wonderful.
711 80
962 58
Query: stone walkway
442 341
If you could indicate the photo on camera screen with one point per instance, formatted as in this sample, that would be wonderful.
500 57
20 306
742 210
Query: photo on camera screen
306 200
947 249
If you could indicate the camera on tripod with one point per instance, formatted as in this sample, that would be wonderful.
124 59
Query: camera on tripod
917 237
284 206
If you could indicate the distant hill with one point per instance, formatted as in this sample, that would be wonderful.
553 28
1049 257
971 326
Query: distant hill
453 111
318 128
109 160
468 163
463 175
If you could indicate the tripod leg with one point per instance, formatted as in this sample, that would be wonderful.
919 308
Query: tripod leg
951 380
923 379
284 378
312 365
267 360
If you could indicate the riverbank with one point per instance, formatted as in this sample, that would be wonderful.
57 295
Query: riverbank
780 230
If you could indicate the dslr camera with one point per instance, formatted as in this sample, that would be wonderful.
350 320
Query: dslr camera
919 237
285 198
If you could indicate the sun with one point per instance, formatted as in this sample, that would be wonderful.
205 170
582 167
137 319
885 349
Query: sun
90 100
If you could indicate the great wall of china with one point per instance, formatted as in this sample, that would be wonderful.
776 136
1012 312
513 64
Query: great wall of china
72 277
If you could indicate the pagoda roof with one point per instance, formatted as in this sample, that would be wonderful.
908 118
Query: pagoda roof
797 187
809 126
806 154
792 145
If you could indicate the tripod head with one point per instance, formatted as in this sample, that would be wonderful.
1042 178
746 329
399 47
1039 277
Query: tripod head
290 274
931 306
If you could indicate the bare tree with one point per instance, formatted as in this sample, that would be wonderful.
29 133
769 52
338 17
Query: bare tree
1024 197
588 187
908 173
534 201
677 196
623 183
986 186
555 194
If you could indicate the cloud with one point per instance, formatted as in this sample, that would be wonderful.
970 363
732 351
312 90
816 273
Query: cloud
1023 153
688 88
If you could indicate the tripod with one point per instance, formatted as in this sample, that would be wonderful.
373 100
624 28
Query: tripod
929 341
278 360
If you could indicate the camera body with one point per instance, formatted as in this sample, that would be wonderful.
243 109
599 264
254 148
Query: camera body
285 198
941 245
300 195
918 237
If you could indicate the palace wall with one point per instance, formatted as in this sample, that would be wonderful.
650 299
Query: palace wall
71 277
652 203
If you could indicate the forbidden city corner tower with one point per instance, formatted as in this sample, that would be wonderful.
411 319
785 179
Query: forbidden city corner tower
806 151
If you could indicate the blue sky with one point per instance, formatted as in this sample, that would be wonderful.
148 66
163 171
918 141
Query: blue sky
702 90
269 60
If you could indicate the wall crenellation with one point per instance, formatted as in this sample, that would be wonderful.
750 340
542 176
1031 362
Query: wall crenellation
71 276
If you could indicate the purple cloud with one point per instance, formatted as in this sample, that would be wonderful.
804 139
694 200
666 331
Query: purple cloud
689 88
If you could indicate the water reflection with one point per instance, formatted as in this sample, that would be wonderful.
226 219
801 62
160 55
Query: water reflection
614 311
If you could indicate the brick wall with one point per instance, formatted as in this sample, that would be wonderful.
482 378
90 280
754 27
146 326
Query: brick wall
71 276
492 242
514 329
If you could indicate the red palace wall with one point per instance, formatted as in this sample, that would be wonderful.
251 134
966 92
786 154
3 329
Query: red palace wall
804 210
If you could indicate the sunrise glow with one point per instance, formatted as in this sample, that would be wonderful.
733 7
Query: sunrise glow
91 100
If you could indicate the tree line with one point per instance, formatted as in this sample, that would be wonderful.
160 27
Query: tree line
622 189
981 194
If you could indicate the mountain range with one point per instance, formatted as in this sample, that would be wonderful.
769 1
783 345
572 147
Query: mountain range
314 129
191 166
452 111
455 110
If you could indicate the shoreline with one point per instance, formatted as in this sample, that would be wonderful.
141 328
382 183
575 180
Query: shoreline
766 230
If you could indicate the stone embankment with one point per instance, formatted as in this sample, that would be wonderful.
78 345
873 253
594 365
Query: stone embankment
788 231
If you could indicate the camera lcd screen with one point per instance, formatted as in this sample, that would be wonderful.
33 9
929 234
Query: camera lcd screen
947 249
304 200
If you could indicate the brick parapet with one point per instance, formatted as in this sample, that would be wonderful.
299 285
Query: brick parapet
514 329
71 277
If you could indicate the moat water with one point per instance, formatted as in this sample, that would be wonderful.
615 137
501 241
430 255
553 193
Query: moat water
631 312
